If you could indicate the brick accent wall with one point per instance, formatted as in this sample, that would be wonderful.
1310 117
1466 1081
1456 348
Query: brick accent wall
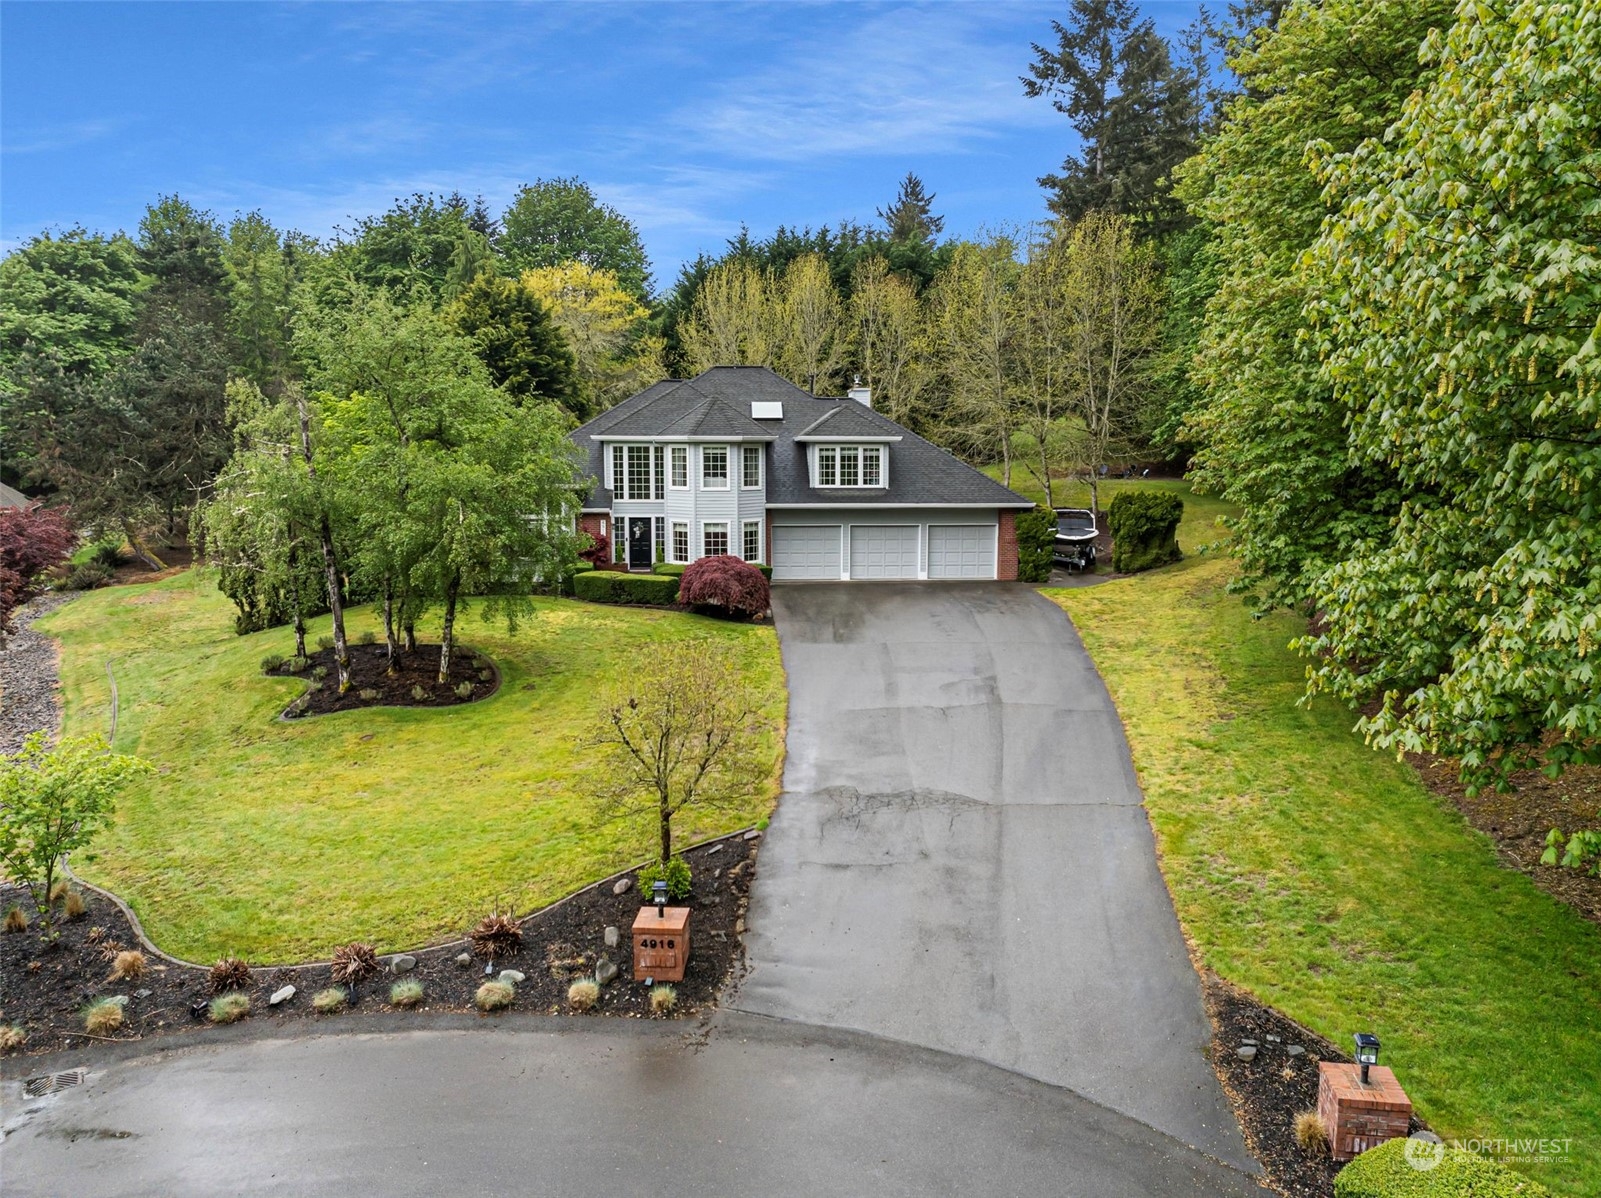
767 539
1006 547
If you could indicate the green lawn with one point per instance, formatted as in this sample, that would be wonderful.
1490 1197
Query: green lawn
1324 878
1198 530
278 841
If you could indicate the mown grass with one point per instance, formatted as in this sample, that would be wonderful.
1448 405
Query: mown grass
1198 531
278 841
1324 878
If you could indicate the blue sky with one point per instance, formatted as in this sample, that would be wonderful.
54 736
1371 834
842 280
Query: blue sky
690 118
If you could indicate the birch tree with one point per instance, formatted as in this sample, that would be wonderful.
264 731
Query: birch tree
810 323
731 322
972 325
891 346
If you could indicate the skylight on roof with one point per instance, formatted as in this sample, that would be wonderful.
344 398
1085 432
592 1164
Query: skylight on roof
766 409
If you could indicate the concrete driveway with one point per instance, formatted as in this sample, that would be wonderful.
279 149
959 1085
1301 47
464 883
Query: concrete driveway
961 860
546 1106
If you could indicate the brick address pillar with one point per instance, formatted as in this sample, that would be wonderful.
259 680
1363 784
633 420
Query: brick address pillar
1006 547
1360 1117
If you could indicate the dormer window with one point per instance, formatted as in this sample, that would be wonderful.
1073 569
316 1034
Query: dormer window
848 466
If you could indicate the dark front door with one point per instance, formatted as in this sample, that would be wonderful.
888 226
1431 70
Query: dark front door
639 543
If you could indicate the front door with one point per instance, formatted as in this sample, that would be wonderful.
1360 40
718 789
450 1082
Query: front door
639 543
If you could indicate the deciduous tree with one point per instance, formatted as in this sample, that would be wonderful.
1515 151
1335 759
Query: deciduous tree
552 222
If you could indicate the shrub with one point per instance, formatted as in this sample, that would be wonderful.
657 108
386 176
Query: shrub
73 906
107 554
599 551
496 936
583 994
12 1037
314 685
464 690
1311 1134
325 642
271 662
494 996
58 890
230 973
369 694
330 1001
1144 526
564 581
486 675
662 999
16 919
228 1008
724 581
1386 1172
405 994
676 873
298 665
610 586
368 637
418 693
676 569
318 673
102 1017
87 577
354 962
127 966
1036 544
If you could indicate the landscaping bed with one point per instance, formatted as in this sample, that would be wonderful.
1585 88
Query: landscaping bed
45 990
414 683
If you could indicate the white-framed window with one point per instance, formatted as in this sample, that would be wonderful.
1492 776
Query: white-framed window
849 466
751 538
714 468
713 539
638 480
680 541
680 458
658 472
660 538
750 457
616 479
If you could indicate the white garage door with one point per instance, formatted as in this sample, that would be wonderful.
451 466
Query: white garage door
806 551
884 551
961 551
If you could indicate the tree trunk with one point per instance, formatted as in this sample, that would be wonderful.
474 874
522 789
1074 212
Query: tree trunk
1095 498
408 642
294 599
667 832
391 644
330 561
300 632
140 549
1045 472
447 641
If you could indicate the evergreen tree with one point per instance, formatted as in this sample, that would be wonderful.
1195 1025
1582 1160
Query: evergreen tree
911 216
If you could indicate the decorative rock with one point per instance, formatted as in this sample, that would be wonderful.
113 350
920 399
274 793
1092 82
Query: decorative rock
281 996
1295 1050
1271 1039
404 963
716 848
464 958
1245 1052
622 886
143 993
120 1000
754 834
739 927
1247 1041
511 975
605 971
1428 1137
612 937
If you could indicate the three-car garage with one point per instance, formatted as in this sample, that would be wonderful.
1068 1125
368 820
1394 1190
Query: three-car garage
878 548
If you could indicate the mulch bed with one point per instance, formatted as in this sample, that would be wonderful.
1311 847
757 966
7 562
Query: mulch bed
1270 1090
369 671
45 989
1519 820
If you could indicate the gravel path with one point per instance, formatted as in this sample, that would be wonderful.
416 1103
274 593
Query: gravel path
28 677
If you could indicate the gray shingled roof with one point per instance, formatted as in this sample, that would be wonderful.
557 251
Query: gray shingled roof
919 472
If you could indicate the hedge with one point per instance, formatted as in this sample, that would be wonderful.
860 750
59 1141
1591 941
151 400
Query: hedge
1036 544
1385 1172
1144 528
613 586
676 569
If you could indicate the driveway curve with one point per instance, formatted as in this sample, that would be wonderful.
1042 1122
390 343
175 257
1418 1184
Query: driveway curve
961 861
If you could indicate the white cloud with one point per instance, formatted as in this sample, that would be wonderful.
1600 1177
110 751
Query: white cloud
907 80
46 138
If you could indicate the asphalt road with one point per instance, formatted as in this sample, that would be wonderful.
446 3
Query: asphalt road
542 1106
961 860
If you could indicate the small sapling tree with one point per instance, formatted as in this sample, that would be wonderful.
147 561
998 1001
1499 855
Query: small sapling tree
684 729
53 801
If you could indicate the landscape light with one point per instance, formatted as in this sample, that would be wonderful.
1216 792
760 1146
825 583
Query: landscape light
1367 1052
658 895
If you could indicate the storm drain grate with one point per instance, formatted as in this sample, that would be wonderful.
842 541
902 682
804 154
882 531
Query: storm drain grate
38 1087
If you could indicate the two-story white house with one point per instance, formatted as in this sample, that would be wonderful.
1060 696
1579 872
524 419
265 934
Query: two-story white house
738 460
